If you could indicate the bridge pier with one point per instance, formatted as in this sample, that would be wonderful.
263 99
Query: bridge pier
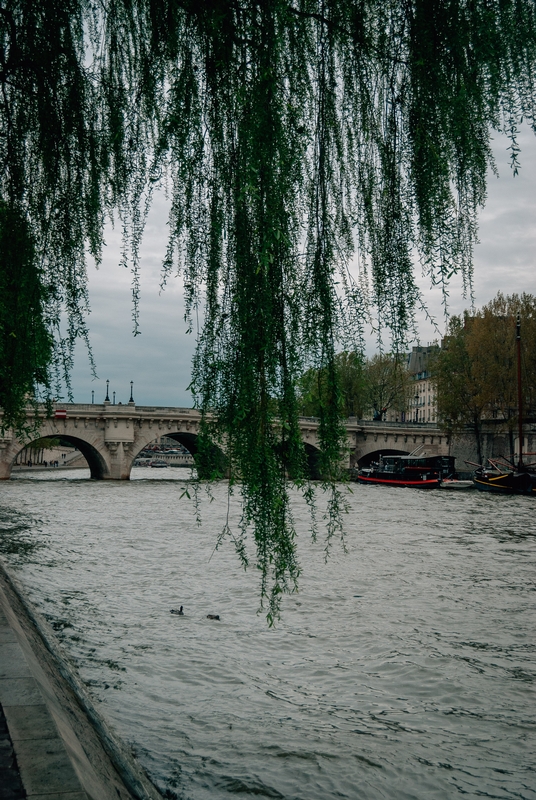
120 461
5 464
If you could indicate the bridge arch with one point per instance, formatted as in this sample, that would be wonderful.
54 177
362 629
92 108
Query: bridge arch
96 463
213 466
187 439
368 458
312 455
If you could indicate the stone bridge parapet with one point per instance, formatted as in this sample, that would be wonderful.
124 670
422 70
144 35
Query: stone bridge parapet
110 436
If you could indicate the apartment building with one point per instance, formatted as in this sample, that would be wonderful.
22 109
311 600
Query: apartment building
422 402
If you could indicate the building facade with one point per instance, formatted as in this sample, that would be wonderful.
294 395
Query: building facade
422 402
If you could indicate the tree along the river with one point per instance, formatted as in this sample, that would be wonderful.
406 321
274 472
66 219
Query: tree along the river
290 133
387 384
25 341
476 369
368 386
493 334
314 393
460 398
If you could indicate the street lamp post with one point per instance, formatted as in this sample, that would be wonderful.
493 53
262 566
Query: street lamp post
107 398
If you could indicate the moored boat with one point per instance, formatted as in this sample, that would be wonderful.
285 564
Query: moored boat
425 472
505 481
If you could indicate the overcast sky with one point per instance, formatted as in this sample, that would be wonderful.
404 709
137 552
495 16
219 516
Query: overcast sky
158 360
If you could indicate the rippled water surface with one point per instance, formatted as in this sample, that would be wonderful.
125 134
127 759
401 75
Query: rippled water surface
403 669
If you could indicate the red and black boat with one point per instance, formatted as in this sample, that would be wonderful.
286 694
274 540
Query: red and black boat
425 472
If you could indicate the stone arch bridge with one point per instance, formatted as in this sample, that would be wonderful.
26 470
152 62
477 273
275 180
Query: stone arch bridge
111 436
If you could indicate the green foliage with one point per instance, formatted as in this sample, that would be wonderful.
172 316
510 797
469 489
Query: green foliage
476 369
365 386
25 343
57 170
290 132
314 391
460 399
492 341
387 384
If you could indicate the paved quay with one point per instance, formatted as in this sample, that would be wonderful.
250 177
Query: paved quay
34 761
11 787
53 743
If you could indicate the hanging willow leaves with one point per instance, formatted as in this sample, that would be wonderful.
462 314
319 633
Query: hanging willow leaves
53 189
291 134
25 342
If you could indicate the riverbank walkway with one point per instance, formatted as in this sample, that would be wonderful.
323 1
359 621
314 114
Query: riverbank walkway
34 763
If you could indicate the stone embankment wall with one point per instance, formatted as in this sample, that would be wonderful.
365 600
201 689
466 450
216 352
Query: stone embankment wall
495 444
61 745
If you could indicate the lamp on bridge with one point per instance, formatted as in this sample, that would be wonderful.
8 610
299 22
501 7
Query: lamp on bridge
131 401
113 395
107 398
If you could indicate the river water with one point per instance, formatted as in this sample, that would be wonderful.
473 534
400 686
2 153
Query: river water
404 668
